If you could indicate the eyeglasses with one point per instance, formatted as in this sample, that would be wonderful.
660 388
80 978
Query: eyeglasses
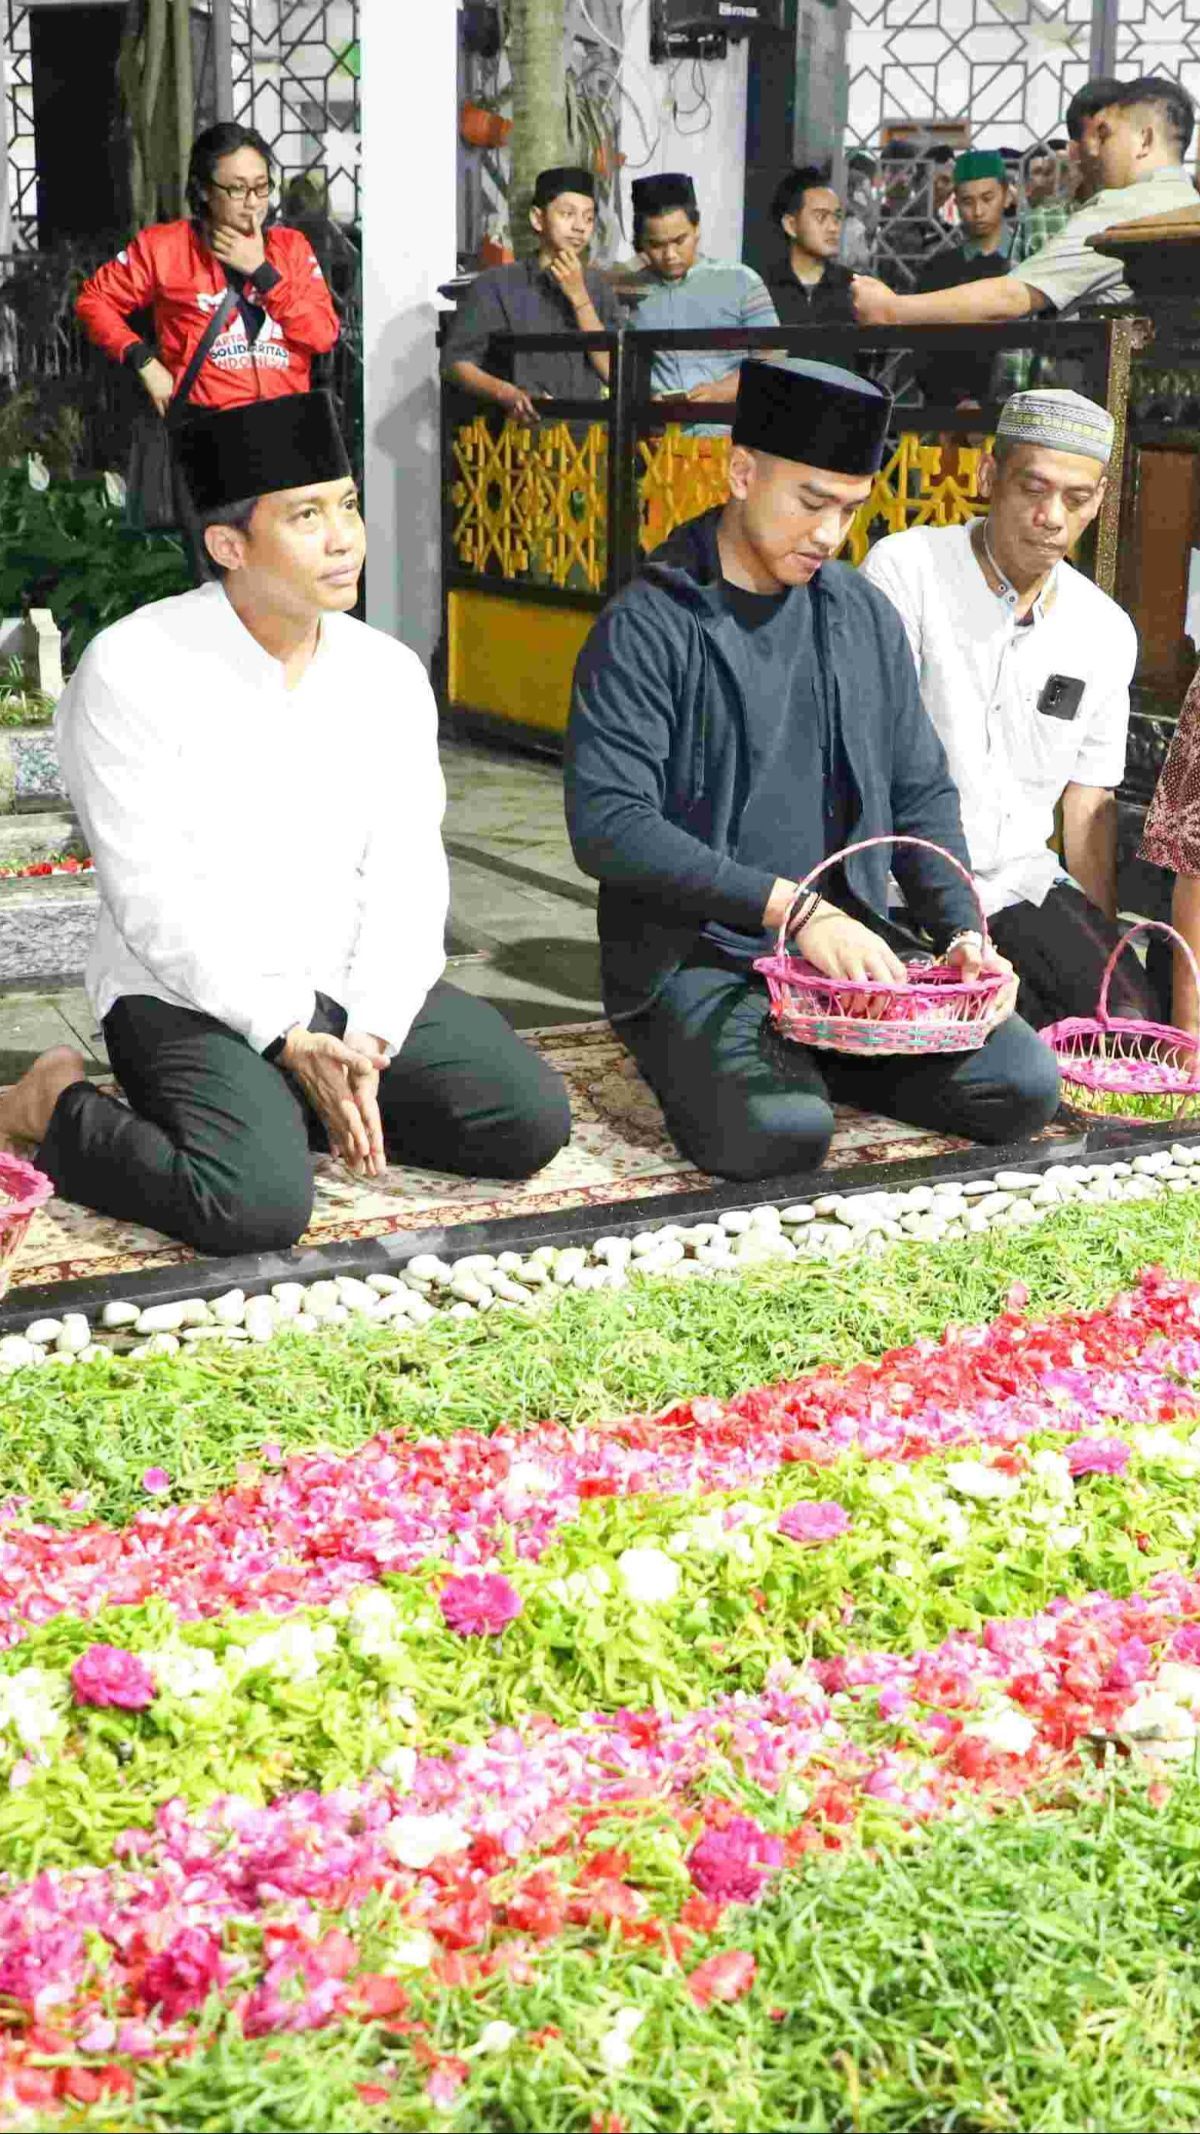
237 192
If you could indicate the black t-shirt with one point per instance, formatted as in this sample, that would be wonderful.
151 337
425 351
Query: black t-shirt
958 375
823 303
798 799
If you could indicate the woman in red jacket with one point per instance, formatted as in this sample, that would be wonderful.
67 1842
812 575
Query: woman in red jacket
180 271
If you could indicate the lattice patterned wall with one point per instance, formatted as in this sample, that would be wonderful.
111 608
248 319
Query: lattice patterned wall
21 230
1164 39
1007 67
295 77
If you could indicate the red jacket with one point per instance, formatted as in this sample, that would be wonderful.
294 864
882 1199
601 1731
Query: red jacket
170 270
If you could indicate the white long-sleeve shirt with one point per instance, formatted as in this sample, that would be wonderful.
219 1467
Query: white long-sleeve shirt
256 844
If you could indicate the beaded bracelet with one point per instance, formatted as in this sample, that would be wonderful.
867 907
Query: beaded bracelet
808 909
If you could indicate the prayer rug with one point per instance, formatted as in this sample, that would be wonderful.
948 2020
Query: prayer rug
619 1151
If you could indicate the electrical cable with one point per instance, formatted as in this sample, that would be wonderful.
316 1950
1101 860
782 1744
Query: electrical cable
650 141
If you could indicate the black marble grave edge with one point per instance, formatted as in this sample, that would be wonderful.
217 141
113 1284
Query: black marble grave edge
255 1272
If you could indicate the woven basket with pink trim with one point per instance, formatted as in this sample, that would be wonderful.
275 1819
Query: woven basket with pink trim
1119 1067
22 1192
936 1011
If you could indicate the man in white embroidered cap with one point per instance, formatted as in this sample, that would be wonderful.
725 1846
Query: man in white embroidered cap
742 712
1024 669
257 775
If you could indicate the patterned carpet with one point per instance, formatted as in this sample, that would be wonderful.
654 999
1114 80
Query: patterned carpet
619 1151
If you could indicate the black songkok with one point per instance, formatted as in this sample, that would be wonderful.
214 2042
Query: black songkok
657 196
564 178
814 413
228 455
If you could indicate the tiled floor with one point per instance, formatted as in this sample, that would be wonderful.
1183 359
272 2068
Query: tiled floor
522 918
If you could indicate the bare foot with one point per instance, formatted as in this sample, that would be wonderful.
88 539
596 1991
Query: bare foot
25 1109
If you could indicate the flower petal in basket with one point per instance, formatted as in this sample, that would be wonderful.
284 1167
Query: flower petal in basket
23 1190
934 1011
1124 1067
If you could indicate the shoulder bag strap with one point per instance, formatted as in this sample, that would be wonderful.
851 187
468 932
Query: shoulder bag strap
220 318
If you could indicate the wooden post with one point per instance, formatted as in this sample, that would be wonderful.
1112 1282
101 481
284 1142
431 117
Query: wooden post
1122 339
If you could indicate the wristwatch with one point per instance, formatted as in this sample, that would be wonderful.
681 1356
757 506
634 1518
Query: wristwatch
964 935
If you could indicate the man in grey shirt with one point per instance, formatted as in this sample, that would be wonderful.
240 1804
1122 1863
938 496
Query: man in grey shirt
1141 139
553 293
681 289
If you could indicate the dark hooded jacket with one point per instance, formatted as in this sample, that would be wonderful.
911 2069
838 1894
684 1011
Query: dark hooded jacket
658 758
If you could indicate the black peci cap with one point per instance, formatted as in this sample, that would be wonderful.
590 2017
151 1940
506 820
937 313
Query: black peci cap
563 178
813 413
659 195
228 455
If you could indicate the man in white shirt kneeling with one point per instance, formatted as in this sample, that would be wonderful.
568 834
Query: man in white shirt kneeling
1024 667
257 775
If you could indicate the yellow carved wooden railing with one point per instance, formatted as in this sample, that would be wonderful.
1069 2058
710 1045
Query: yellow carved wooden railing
531 504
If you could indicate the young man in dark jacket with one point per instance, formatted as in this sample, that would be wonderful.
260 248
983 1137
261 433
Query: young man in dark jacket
810 287
742 711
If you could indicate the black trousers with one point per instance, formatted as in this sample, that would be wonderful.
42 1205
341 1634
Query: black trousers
743 1103
215 1148
1059 949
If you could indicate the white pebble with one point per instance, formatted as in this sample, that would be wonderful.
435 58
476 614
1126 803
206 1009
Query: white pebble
461 1310
43 1332
802 1212
393 1306
980 1188
262 1318
303 1323
354 1294
95 1352
230 1309
765 1218
289 1296
468 1289
421 1311
118 1313
1017 1181
76 1335
160 1344
919 1200
568 1264
160 1319
426 1267
735 1221
612 1249
195 1312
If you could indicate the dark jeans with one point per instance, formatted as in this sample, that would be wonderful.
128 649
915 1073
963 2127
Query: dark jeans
743 1103
1060 948
215 1149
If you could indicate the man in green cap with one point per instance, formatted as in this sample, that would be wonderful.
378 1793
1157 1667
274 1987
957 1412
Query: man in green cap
1141 138
983 248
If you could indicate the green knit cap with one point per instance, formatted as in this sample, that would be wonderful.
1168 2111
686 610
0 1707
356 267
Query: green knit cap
980 163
